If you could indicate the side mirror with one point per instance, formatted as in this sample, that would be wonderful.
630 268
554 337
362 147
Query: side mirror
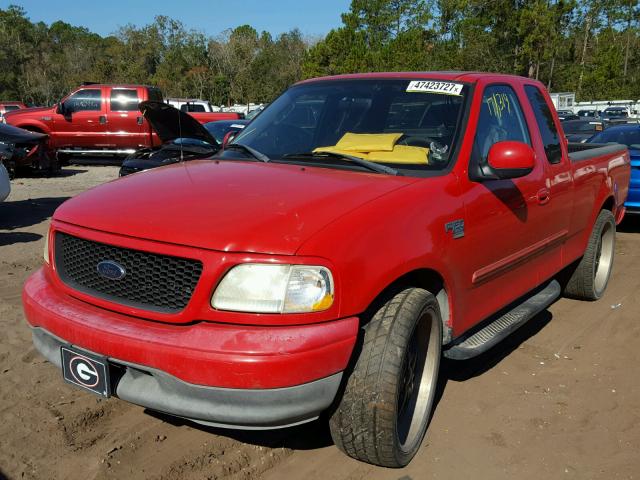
60 109
228 138
510 160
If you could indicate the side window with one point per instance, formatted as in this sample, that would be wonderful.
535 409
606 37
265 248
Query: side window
546 125
192 107
9 108
84 100
500 119
124 100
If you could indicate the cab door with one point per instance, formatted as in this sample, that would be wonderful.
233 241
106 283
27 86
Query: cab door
125 124
80 120
556 197
504 225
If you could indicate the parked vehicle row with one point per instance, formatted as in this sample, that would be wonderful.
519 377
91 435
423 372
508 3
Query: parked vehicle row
582 129
98 119
359 229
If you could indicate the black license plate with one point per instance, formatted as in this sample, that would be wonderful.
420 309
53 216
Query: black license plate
86 371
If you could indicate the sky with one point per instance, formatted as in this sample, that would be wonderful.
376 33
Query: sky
312 17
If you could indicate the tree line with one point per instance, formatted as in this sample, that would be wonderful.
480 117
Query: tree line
591 47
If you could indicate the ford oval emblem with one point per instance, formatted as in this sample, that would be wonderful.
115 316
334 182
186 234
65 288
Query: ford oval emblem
111 270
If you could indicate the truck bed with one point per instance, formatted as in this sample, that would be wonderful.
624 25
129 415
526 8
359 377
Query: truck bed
579 152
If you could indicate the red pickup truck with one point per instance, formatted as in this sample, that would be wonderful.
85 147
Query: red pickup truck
360 228
97 119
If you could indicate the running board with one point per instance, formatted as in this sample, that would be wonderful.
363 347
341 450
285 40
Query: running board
503 326
77 151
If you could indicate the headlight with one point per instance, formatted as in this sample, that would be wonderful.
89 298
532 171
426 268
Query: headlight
262 288
45 253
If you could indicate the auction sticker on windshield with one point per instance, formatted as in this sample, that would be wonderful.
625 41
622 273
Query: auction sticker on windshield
430 86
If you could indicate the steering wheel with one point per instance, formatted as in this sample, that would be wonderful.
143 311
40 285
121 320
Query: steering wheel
289 138
413 141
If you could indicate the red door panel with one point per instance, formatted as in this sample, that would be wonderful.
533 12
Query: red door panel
125 127
82 121
504 219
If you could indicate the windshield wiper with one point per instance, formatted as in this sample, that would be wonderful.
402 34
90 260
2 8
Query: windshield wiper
251 151
357 160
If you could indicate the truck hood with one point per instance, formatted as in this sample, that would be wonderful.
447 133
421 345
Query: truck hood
170 123
28 112
11 134
234 206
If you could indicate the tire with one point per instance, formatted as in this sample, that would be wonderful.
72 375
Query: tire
387 403
62 158
590 278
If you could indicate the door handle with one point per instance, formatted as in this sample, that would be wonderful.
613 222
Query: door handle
102 119
140 120
543 196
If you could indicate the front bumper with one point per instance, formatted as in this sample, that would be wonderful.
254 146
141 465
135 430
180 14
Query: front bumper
233 375
253 409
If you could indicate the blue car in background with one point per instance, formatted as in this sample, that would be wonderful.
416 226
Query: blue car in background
629 135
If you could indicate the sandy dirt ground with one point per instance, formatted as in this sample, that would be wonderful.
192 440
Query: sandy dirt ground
558 400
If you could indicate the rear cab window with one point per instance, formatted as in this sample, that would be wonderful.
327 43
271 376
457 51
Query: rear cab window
193 107
154 94
546 124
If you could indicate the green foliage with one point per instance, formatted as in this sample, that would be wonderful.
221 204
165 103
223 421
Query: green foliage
39 64
591 47
586 46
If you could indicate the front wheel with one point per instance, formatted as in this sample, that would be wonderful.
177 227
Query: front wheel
387 403
590 278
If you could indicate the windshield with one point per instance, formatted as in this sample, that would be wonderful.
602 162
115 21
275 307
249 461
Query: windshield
409 125
626 136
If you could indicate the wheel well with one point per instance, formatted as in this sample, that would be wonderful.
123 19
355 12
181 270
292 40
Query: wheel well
31 128
427 279
608 204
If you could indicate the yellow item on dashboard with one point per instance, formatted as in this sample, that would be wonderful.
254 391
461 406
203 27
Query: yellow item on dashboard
402 154
368 142
341 152
378 148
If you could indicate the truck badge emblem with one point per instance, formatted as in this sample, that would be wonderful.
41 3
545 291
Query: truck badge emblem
111 270
456 227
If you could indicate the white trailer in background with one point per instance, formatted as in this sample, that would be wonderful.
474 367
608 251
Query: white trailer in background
563 100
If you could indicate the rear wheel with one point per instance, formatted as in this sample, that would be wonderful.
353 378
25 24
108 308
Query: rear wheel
384 412
590 278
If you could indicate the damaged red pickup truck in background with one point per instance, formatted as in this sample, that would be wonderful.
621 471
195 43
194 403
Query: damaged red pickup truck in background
98 119
361 228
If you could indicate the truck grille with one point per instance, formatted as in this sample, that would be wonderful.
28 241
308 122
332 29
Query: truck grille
150 281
